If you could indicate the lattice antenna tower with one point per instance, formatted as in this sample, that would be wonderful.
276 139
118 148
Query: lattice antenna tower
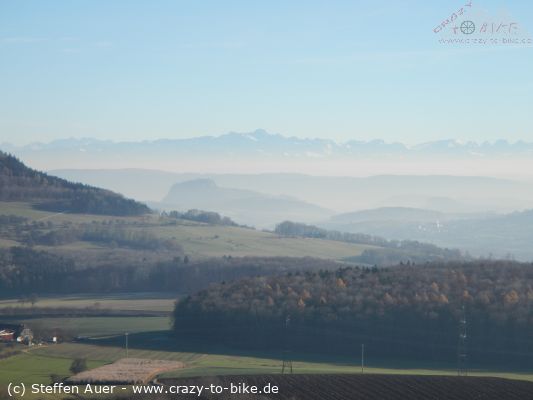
287 360
461 346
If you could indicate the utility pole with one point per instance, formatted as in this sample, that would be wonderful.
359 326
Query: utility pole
126 335
461 346
362 358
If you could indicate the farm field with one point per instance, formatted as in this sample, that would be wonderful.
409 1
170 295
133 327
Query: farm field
163 302
125 371
100 326
369 387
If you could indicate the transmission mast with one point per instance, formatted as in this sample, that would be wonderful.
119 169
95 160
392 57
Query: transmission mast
287 361
362 358
461 346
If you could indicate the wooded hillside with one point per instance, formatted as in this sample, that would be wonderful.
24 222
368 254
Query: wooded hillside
411 311
20 183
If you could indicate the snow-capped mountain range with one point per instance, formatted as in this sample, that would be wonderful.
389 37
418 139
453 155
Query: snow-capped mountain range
262 143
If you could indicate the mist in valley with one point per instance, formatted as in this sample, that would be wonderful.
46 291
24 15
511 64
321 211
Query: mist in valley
471 196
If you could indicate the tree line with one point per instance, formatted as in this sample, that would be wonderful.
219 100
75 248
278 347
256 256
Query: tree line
24 270
206 217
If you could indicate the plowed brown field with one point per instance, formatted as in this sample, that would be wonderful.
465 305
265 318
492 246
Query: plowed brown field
365 387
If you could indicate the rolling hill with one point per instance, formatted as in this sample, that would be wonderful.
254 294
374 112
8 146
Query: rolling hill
506 235
198 240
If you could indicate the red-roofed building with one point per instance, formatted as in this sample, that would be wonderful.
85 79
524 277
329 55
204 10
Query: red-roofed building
7 335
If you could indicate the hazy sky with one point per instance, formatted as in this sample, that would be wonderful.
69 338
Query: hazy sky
135 70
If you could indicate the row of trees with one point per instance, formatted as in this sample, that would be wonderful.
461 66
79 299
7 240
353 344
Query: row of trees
206 217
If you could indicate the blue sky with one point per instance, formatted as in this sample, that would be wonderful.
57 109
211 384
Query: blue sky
141 70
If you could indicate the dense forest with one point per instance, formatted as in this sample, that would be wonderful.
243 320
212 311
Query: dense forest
403 311
20 183
390 252
24 271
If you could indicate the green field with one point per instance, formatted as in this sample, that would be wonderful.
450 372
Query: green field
161 302
32 368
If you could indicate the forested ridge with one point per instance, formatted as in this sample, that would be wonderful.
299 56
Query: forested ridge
20 183
410 311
